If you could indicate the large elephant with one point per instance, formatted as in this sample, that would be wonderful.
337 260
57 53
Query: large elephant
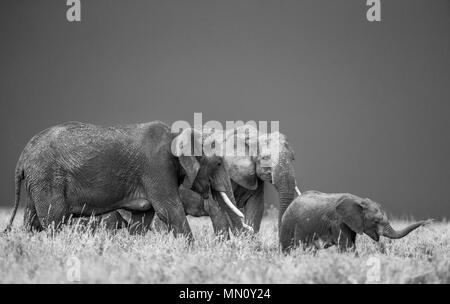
272 161
326 219
76 169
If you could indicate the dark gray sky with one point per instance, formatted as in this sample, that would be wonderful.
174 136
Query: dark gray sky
366 106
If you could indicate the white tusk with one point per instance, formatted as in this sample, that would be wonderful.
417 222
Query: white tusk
298 191
230 204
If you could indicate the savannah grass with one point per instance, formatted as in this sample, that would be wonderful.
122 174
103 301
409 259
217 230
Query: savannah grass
158 257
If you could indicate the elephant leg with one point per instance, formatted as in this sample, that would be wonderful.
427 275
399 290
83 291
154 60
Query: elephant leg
219 219
166 202
140 222
175 219
30 218
346 239
51 209
254 208
171 212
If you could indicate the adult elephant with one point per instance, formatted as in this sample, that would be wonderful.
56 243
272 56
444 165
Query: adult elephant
77 169
266 158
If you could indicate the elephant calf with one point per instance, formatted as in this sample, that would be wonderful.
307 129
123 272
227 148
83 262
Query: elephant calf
335 219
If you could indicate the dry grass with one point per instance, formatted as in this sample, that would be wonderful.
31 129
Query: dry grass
158 257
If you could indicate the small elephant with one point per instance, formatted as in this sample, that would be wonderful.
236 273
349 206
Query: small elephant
76 169
335 219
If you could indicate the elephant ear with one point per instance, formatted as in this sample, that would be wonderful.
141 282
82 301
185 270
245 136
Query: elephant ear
352 214
241 165
186 146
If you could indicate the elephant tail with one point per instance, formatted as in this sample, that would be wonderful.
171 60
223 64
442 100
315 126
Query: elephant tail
18 181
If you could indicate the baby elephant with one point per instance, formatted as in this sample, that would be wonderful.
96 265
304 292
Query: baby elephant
335 219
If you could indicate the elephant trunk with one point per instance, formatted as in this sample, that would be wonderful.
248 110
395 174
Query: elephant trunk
284 181
389 232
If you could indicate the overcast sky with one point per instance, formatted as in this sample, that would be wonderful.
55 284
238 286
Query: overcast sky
366 106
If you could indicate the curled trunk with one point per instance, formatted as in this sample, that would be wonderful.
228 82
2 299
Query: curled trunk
394 234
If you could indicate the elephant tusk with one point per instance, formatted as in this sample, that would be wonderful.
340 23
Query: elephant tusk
298 191
230 204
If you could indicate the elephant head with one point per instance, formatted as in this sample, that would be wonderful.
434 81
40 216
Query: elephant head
366 216
205 172
269 158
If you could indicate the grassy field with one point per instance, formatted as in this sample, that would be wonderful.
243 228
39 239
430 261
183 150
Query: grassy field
158 257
